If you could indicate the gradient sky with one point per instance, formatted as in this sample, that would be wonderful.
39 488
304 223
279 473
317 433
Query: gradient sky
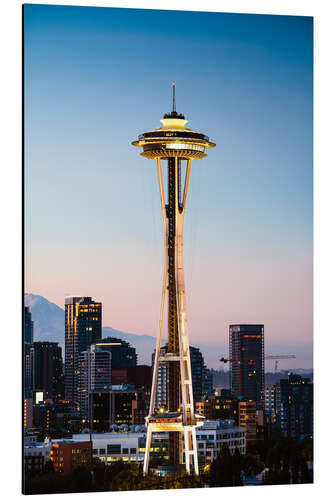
97 77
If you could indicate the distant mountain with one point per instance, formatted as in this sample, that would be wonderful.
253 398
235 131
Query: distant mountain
49 325
48 318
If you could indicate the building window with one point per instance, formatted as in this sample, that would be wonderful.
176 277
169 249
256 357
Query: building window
114 449
102 451
125 450
133 451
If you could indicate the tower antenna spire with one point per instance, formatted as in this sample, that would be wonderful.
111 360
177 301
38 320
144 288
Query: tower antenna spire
173 97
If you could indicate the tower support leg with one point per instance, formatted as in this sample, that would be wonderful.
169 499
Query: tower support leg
187 449
147 449
195 455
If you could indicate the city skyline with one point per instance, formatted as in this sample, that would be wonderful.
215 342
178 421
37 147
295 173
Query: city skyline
92 223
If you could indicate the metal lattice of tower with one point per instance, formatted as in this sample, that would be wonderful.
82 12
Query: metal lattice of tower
173 143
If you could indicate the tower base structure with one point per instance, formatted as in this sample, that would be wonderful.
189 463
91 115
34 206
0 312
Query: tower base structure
173 422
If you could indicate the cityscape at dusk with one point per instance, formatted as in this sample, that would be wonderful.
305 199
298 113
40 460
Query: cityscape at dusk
209 388
93 221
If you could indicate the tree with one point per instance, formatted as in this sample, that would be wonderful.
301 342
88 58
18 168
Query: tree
80 480
221 469
48 467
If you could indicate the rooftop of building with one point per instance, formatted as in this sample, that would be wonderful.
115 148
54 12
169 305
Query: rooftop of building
113 341
37 445
220 424
76 299
71 441
108 435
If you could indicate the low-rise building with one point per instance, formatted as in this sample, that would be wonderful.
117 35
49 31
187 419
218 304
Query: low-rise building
205 407
30 437
218 408
247 418
215 434
67 454
112 446
36 455
130 446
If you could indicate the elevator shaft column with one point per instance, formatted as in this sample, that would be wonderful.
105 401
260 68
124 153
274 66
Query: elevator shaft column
173 335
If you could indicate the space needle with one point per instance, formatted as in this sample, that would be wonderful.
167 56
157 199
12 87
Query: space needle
176 146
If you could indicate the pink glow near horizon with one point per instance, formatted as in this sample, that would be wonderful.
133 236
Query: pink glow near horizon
217 296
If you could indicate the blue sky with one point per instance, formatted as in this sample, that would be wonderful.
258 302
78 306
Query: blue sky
97 77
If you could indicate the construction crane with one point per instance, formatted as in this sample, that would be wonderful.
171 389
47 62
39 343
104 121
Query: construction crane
270 356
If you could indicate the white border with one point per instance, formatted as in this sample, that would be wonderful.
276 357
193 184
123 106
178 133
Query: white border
10 199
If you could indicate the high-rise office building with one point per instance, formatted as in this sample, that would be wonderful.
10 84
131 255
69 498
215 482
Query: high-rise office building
247 367
100 408
122 398
83 327
28 367
197 367
43 370
28 336
270 408
294 400
123 354
28 326
45 416
28 405
207 382
94 375
47 369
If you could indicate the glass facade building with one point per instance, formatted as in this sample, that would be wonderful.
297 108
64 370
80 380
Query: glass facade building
247 363
94 374
294 400
123 354
83 327
28 327
47 369
43 369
